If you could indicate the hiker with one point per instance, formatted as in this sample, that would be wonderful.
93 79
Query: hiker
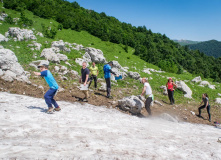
94 72
171 86
148 94
49 95
85 79
205 100
107 76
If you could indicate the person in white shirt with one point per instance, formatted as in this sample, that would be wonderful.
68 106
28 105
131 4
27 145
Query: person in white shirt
148 94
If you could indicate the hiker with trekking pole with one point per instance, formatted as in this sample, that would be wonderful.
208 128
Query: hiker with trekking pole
49 95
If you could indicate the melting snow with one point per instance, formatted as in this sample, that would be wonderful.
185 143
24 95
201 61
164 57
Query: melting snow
90 132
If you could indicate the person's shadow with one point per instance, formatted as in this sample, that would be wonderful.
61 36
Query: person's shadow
34 107
99 94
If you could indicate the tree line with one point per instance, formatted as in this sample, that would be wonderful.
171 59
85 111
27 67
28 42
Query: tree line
152 47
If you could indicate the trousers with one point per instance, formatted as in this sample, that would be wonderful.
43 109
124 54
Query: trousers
93 77
170 95
208 110
108 84
49 97
147 104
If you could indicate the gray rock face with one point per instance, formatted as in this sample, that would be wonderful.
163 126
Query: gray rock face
197 79
116 65
21 34
134 75
168 117
96 55
218 100
60 46
87 57
164 90
38 62
50 55
10 67
79 61
3 16
62 57
184 88
132 104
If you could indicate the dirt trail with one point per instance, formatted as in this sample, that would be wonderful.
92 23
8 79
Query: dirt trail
98 98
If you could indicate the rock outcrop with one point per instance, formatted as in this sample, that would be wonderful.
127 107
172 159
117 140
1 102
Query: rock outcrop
96 55
134 75
196 79
132 104
184 88
20 34
2 38
10 68
35 46
49 54
38 62
3 16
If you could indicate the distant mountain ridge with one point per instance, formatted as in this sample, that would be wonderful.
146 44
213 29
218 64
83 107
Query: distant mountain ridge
210 48
183 42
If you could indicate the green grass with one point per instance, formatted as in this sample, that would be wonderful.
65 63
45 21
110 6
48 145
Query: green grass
110 50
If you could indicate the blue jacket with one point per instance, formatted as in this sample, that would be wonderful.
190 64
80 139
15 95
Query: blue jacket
49 79
107 71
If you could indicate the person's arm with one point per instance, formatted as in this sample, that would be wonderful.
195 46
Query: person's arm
201 102
86 79
207 104
37 73
174 85
112 72
143 91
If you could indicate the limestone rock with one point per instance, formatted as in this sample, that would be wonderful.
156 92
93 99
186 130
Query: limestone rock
21 34
96 55
184 88
3 16
103 87
164 90
132 104
157 102
62 57
40 34
9 76
35 46
38 62
2 38
218 100
197 79
134 75
56 68
50 55
204 83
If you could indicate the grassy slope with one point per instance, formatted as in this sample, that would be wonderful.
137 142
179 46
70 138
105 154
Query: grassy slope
110 50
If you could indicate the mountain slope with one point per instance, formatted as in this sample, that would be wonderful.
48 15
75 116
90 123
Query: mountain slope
210 48
152 47
185 42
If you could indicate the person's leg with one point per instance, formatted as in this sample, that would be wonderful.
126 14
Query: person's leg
53 101
95 81
169 95
208 111
90 81
200 109
108 86
147 104
48 97
172 98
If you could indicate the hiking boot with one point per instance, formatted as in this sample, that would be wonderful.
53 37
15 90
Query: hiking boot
57 109
50 109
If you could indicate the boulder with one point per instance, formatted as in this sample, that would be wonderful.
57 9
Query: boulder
103 87
116 65
50 55
132 104
164 90
212 86
56 68
196 79
9 76
168 117
184 88
218 100
7 59
147 71
60 45
80 61
87 57
38 62
134 75
62 57
219 94
21 34
96 55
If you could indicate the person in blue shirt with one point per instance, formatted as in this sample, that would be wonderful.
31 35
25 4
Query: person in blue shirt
49 95
107 76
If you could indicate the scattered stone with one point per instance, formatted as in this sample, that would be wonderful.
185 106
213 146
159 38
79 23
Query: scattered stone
164 90
134 75
219 94
61 89
50 55
74 72
197 79
193 113
212 86
56 68
204 83
40 34
41 87
132 104
168 117
185 118
35 46
218 100
3 16
2 38
68 63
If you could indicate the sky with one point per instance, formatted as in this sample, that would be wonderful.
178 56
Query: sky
197 20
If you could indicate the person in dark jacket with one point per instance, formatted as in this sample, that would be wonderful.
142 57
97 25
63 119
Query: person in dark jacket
107 76
206 105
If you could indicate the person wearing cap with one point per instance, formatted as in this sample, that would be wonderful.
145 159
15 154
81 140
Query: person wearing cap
94 72
85 79
148 94
49 95
107 76
171 86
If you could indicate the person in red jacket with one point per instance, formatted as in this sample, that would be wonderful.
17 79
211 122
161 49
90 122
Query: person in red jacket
171 86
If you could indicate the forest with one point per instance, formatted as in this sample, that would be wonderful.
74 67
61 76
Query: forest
152 47
210 48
